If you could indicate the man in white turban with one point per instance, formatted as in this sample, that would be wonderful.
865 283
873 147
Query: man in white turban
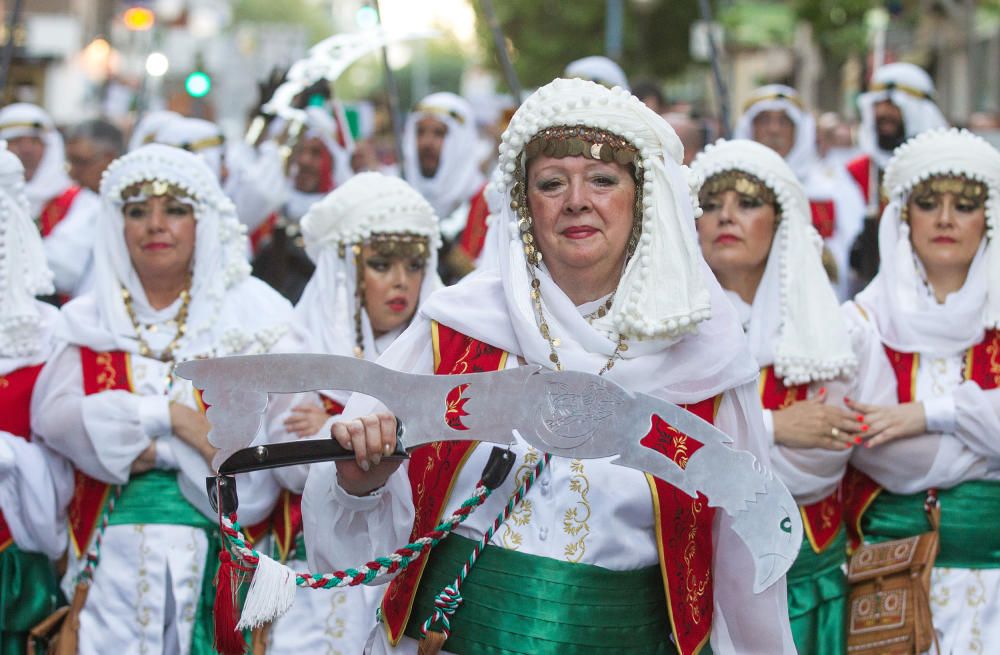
899 104
57 205
441 161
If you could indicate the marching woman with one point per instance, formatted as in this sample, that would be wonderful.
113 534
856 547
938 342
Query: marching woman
757 236
35 483
374 242
598 270
172 283
935 308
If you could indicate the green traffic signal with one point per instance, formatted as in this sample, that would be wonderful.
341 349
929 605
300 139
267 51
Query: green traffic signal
198 84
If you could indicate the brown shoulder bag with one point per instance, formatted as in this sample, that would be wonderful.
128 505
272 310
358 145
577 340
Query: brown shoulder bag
889 612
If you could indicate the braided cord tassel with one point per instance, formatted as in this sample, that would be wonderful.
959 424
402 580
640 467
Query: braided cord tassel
366 573
449 600
93 555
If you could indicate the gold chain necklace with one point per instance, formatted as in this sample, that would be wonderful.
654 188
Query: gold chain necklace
543 326
167 355
601 311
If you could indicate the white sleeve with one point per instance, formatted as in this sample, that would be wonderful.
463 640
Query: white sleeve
68 248
256 183
744 622
34 494
343 530
976 417
103 433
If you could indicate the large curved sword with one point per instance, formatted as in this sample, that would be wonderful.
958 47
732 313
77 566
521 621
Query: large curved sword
569 414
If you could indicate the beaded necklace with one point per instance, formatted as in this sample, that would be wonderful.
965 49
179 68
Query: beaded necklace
167 354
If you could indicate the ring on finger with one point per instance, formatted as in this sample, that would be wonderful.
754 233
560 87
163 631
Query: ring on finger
835 432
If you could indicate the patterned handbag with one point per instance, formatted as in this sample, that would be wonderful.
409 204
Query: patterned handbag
889 610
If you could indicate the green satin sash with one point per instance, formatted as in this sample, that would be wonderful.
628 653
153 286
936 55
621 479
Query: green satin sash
153 498
817 598
969 535
518 603
29 592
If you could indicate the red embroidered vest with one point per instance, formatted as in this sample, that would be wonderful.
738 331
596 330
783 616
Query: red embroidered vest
56 210
286 520
823 217
474 234
683 524
15 418
982 366
821 519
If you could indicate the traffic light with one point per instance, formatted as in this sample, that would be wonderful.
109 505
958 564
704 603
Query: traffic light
198 84
139 19
367 17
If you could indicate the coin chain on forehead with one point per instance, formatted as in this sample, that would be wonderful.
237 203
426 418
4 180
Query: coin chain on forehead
739 181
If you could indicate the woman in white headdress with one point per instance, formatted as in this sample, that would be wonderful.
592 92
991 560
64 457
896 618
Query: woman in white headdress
35 483
172 283
935 308
757 236
374 242
598 270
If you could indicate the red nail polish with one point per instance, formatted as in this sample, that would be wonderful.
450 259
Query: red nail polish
857 440
846 399
864 428
861 418
822 389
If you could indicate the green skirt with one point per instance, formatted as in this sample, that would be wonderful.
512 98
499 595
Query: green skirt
29 592
516 603
817 599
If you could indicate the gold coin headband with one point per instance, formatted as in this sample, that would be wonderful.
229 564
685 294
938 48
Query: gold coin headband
957 185
738 181
442 111
795 100
398 244
580 141
153 188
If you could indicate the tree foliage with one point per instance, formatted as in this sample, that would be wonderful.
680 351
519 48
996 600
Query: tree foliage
546 35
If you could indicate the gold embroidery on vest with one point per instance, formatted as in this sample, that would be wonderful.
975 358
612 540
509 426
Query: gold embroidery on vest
575 521
107 376
694 587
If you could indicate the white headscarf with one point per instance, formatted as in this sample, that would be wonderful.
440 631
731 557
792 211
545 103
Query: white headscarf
778 97
685 342
99 320
367 204
458 177
909 318
145 130
24 273
795 322
598 69
50 178
911 89
201 137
